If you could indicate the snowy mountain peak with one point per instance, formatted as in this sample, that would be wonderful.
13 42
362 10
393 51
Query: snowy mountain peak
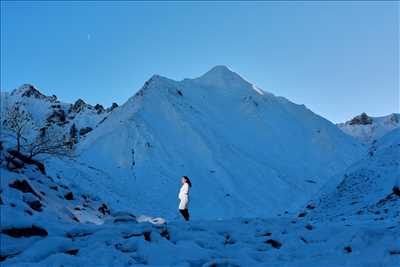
222 77
368 129
28 90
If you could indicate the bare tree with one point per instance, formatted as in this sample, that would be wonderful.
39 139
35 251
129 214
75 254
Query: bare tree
17 120
52 141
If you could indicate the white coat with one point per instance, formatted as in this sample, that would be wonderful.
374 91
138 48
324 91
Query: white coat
184 196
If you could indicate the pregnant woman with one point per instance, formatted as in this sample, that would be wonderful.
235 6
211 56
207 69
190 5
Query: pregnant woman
184 197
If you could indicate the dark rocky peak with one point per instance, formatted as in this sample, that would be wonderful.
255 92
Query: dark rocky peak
99 108
78 106
362 119
28 90
113 106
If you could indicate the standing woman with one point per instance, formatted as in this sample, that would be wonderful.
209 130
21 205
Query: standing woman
184 197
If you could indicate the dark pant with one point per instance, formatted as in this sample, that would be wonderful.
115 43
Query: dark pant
185 214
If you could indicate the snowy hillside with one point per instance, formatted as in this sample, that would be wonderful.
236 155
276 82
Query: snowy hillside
370 187
248 152
367 129
46 111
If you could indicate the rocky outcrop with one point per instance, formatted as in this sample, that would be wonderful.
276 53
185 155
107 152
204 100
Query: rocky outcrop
78 106
84 131
362 119
113 106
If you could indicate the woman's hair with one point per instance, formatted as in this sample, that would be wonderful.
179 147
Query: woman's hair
187 180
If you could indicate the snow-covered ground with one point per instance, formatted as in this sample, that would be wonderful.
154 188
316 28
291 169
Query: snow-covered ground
273 183
77 232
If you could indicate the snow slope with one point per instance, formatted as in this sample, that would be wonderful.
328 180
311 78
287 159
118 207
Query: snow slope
367 188
367 129
248 152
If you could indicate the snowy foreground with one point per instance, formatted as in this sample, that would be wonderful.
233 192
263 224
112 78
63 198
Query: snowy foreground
46 223
240 242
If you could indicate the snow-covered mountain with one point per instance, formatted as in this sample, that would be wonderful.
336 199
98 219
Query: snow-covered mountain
367 129
248 152
46 111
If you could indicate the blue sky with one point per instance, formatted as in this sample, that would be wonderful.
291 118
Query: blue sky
337 58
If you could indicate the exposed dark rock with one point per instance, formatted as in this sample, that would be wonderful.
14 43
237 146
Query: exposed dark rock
104 209
124 219
78 106
266 234
310 181
72 252
228 240
309 227
304 240
29 212
58 116
310 206
127 215
362 119
347 249
164 233
27 160
85 130
302 214
147 236
3 257
25 231
394 252
64 186
99 108
53 187
113 106
132 235
24 187
35 205
274 243
69 196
